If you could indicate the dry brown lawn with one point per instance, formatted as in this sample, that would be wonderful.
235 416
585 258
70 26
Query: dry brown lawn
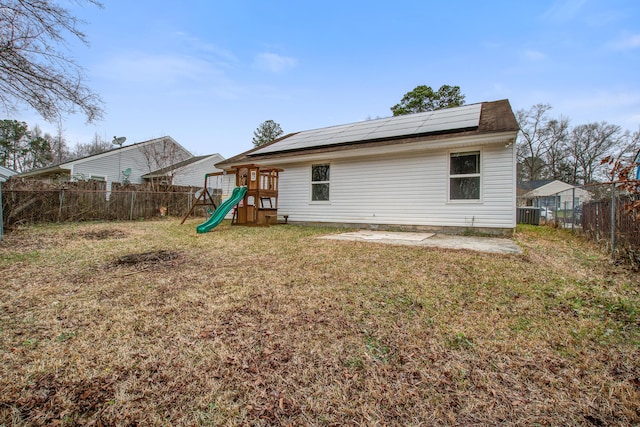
148 323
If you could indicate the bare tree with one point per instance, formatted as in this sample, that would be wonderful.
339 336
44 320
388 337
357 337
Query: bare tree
540 142
33 68
96 146
624 169
59 148
590 144
557 134
164 154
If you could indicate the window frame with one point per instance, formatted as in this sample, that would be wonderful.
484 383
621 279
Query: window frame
312 183
478 174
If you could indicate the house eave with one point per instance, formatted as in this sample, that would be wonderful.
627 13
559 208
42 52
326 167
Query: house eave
407 145
53 170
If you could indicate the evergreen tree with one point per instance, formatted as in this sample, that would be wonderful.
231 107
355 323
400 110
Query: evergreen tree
266 132
424 98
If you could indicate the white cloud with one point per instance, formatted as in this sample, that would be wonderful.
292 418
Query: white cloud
564 10
145 68
617 107
274 63
603 99
203 46
534 55
631 41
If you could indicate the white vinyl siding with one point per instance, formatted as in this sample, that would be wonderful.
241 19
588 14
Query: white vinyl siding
403 189
132 157
193 174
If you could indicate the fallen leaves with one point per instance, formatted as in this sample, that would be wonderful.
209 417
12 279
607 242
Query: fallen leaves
269 326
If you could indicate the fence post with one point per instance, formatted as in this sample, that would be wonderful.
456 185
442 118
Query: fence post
131 210
1 219
613 220
597 221
573 209
61 203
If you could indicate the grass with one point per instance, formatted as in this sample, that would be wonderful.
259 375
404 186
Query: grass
271 326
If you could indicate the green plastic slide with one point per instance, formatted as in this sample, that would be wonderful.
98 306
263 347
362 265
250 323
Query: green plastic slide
223 210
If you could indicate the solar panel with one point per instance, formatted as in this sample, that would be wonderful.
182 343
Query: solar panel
467 116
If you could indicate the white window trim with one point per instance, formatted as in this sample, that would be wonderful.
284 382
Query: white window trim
480 175
311 182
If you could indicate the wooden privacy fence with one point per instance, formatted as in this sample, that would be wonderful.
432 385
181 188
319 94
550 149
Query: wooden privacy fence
36 202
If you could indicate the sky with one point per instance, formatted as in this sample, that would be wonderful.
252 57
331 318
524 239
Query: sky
209 72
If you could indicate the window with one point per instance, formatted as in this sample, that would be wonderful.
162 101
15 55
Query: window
320 183
97 178
464 176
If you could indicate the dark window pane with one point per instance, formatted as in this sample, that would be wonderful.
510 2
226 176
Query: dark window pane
465 163
320 173
319 192
465 188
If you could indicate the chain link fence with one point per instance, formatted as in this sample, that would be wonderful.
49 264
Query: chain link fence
601 212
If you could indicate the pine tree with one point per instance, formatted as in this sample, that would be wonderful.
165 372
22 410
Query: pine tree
266 132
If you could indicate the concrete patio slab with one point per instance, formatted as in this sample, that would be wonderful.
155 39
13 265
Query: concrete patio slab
480 244
386 235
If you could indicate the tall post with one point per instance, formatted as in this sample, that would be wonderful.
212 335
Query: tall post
597 222
60 204
119 141
133 194
613 219
1 219
573 209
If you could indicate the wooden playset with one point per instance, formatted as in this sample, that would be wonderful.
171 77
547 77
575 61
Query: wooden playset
258 206
260 203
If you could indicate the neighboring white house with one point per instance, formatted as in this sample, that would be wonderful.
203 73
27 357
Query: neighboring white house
124 164
190 172
446 169
552 194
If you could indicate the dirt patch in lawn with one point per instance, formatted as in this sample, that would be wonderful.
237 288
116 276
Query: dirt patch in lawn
103 234
151 259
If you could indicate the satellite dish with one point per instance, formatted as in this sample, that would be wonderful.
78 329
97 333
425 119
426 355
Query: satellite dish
125 176
119 141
